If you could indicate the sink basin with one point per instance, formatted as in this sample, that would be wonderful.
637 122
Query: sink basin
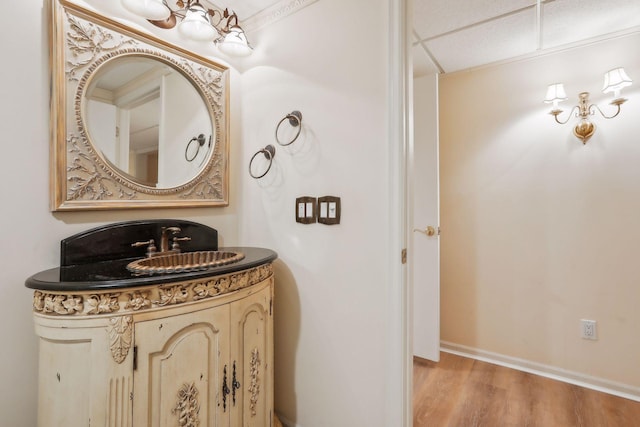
184 261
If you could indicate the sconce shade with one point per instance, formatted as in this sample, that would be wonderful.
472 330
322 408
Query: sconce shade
196 24
555 94
154 10
235 43
615 80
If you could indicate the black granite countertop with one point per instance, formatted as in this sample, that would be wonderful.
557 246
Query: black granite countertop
113 274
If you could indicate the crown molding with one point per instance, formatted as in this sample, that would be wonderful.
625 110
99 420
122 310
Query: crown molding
274 13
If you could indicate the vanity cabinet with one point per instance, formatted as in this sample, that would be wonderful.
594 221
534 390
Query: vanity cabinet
191 353
212 364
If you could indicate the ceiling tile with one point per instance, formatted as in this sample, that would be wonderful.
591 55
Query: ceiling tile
503 38
434 17
569 21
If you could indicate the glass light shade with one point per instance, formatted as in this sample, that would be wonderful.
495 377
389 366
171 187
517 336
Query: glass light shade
196 24
154 10
615 80
555 94
235 43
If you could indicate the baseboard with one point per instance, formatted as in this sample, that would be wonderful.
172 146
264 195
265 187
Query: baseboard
576 378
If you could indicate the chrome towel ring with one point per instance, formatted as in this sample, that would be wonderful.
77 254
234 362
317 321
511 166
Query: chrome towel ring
269 152
295 120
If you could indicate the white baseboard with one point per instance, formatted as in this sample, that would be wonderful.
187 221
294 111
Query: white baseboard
611 387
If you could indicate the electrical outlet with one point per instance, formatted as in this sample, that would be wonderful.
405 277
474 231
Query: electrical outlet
588 328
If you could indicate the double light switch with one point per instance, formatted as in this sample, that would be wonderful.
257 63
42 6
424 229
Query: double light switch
306 210
325 210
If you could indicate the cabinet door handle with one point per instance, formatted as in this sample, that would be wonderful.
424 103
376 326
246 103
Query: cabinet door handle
225 389
235 384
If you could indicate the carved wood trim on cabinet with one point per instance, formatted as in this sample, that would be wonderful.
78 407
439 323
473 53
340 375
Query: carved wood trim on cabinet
133 300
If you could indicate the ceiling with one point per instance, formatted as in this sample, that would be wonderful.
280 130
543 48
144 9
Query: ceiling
255 14
243 8
454 35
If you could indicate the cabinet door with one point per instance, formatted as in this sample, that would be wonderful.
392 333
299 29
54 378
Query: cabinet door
85 372
252 359
180 369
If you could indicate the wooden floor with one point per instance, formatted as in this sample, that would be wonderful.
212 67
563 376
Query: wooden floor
462 392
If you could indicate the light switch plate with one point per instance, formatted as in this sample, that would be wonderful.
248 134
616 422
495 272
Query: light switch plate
329 210
306 210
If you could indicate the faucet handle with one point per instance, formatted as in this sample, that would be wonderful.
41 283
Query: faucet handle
151 249
176 246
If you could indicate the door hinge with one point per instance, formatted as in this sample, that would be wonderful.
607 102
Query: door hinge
404 256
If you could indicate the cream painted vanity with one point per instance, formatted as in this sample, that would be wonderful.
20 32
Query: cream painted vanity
190 348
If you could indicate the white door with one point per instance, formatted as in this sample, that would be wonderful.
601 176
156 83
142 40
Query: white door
424 274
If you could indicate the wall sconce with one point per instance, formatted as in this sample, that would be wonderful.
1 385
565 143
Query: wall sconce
614 81
197 23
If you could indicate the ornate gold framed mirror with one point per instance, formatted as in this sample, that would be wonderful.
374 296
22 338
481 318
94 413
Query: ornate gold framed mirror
135 122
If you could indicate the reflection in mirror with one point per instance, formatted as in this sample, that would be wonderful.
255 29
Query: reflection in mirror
143 115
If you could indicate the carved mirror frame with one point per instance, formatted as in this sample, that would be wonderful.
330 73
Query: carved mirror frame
81 179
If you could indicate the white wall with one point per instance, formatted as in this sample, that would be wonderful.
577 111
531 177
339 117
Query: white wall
331 285
538 230
30 232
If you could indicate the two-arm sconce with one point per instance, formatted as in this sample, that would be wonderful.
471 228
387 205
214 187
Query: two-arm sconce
614 81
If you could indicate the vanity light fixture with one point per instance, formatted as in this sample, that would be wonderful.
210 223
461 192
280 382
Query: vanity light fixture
614 81
196 23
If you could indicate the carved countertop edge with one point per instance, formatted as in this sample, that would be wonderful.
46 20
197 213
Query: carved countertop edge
134 300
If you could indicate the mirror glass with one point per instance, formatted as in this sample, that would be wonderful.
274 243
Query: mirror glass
148 120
